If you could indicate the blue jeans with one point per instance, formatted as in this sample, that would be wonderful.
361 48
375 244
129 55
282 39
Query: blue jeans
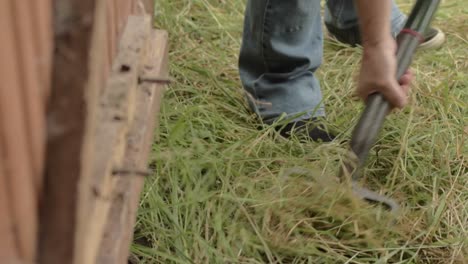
282 47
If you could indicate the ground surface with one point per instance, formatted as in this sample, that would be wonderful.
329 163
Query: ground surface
221 191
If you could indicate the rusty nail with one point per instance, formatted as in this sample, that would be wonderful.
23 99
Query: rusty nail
158 80
127 172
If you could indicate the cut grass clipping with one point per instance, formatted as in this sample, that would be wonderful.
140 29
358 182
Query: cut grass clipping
227 189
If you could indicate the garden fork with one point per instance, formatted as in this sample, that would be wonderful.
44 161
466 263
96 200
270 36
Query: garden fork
377 107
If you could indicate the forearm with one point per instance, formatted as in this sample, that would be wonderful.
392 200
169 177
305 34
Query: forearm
379 63
374 21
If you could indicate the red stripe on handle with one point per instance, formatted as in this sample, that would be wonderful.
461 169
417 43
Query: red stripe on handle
413 33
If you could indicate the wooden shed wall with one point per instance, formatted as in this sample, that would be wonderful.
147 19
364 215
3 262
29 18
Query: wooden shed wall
55 58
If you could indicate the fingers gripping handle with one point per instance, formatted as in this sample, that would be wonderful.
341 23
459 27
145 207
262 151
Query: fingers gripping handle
377 107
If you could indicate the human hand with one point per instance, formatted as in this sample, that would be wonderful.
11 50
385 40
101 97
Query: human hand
378 71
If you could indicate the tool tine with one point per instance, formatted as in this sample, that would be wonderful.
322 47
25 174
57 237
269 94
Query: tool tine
374 197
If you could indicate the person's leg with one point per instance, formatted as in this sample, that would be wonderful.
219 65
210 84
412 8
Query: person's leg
341 20
281 49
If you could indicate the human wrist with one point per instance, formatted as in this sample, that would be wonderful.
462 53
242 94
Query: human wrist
375 47
377 41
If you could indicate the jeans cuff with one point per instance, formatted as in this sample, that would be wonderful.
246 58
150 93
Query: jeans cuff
299 116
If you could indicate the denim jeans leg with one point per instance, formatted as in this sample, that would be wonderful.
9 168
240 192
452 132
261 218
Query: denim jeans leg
282 47
341 20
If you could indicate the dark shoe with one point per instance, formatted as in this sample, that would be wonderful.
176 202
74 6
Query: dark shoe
306 129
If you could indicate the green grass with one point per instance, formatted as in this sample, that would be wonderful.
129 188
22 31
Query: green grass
223 191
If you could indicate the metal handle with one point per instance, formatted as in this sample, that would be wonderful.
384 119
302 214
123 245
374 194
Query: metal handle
373 117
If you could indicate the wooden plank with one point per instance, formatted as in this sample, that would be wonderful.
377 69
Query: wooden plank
159 68
73 28
125 196
18 163
99 69
114 116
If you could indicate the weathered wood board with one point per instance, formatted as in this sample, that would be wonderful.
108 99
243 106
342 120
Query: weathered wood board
128 182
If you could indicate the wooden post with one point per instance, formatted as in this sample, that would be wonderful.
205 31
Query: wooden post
100 126
73 26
